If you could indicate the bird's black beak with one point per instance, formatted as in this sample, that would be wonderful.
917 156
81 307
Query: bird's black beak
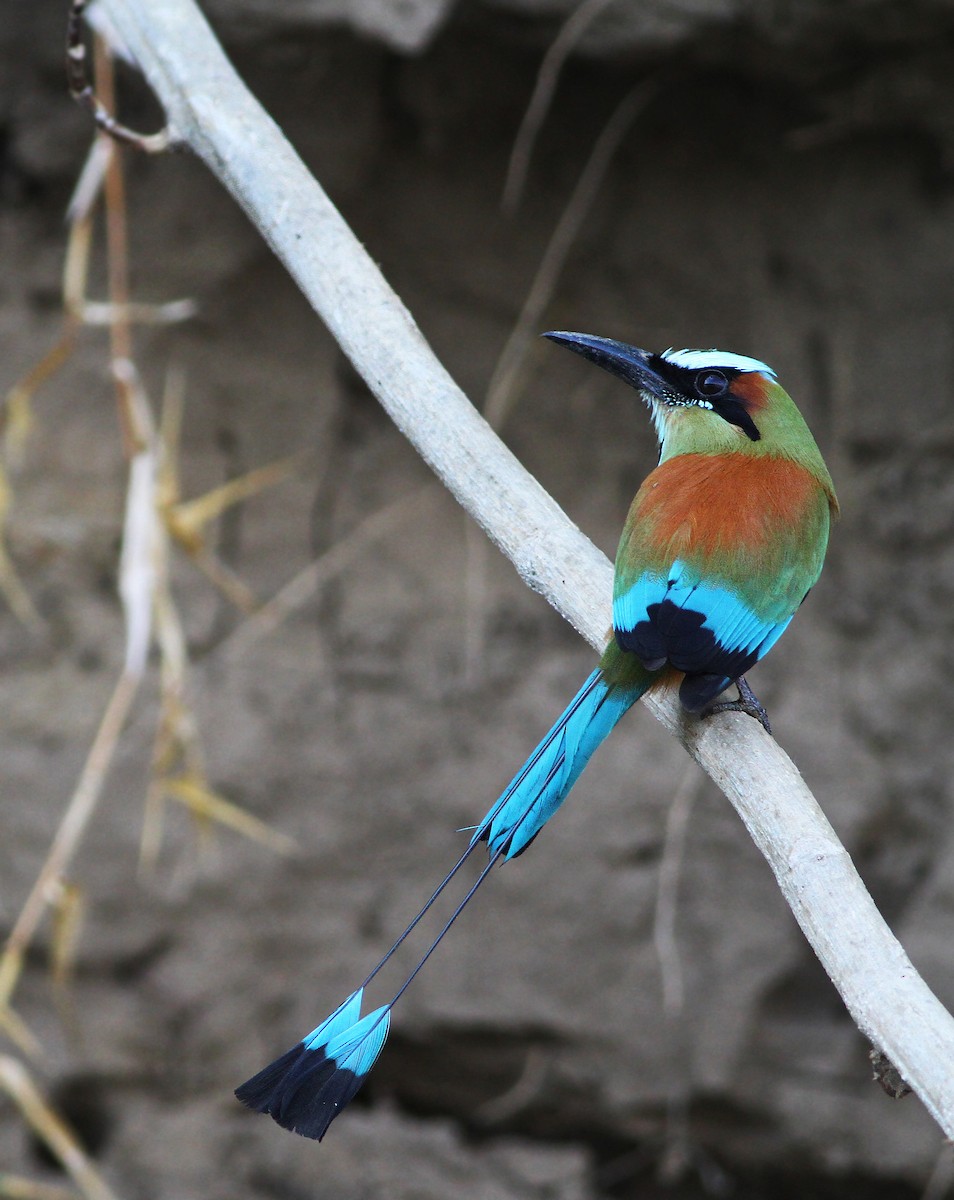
628 363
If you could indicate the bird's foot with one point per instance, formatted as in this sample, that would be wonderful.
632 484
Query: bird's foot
747 703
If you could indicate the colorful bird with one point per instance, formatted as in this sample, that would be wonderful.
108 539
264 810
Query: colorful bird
723 542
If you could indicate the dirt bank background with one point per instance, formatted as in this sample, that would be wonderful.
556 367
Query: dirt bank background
787 192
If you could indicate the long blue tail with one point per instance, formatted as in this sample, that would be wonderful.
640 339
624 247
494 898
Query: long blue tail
308 1086
548 775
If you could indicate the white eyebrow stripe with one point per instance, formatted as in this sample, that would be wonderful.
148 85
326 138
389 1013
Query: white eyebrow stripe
715 358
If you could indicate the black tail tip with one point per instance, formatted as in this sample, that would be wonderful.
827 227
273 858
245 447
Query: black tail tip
256 1093
303 1091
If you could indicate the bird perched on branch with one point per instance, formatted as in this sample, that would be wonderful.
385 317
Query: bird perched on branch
723 542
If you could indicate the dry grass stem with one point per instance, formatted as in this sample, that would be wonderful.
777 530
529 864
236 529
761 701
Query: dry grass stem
676 1155
208 806
52 1130
11 1023
502 387
15 594
90 182
941 1180
101 170
68 915
19 1187
18 402
548 76
177 762
18 410
226 581
141 560
529 1085
299 590
103 313
187 519
77 308
473 609
667 892
46 888
186 522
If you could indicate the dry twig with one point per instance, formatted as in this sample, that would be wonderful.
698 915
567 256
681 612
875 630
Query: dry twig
676 1155
54 1132
82 91
18 1187
573 28
500 390
327 566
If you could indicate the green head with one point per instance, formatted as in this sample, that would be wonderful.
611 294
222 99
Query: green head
708 401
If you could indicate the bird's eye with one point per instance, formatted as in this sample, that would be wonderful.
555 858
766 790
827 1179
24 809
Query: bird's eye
711 384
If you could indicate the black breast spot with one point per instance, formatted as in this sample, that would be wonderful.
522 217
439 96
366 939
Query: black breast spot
679 636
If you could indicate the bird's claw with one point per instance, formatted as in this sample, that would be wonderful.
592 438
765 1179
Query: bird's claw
747 703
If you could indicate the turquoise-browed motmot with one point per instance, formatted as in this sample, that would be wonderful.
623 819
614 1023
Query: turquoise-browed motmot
723 542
